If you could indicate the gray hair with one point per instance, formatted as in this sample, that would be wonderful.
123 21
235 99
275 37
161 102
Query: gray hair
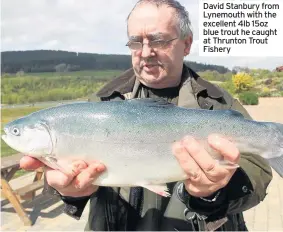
181 14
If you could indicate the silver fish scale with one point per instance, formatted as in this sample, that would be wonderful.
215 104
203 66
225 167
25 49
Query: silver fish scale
147 123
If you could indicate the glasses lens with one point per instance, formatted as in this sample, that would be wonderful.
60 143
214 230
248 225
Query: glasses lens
158 44
135 45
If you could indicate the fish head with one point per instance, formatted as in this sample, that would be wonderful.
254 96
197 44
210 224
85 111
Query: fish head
28 136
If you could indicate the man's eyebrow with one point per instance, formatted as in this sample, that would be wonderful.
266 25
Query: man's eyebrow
156 36
153 36
135 38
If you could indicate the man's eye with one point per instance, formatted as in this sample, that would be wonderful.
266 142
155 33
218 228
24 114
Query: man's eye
157 43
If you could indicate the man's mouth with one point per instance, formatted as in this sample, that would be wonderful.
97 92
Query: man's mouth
149 65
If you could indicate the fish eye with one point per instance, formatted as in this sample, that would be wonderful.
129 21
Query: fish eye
16 131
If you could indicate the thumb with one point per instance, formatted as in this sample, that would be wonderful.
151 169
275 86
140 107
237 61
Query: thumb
29 163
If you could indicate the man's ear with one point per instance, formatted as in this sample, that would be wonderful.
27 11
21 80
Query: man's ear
188 44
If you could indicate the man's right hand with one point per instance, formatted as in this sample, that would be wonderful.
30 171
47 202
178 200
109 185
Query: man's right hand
78 184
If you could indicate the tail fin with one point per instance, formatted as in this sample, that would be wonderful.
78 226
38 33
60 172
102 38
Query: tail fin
279 127
277 162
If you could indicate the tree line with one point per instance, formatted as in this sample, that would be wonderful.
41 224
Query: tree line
63 61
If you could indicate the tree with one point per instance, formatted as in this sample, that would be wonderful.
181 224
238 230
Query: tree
242 82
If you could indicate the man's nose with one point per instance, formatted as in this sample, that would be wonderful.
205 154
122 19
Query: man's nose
146 50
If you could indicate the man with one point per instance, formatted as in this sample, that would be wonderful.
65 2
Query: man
213 196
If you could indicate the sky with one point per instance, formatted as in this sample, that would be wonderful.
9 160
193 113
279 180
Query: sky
93 26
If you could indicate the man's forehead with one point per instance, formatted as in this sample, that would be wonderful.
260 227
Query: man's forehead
152 22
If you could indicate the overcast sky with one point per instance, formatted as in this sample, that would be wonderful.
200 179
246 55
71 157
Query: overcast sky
94 26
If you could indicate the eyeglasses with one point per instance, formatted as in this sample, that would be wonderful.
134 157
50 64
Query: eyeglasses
155 44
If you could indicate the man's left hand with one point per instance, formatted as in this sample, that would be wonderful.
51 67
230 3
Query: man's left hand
205 174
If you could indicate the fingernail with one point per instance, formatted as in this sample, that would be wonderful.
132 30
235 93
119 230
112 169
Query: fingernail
99 168
177 147
81 166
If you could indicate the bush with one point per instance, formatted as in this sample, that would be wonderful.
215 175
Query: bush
277 94
229 87
242 82
248 98
265 92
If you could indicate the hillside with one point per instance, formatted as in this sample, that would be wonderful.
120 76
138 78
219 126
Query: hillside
51 61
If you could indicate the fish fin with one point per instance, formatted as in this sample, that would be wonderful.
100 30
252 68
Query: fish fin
277 164
214 225
152 102
234 113
53 163
161 190
228 165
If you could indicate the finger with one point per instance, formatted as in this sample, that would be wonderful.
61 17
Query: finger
29 163
210 167
225 148
199 154
88 175
57 179
186 162
73 168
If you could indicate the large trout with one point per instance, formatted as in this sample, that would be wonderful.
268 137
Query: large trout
134 138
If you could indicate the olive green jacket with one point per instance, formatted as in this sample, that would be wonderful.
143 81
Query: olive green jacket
109 207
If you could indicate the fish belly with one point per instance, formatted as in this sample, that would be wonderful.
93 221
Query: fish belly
127 164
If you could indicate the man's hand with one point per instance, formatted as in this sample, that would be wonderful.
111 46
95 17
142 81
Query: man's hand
78 184
205 174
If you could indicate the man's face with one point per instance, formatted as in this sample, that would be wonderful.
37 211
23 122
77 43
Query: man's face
160 67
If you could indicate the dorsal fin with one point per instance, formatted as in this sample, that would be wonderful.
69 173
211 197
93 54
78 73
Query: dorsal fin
234 113
151 102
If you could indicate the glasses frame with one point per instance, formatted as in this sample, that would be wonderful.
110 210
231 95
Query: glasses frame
163 44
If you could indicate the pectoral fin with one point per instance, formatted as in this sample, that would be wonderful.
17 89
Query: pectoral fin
161 190
54 164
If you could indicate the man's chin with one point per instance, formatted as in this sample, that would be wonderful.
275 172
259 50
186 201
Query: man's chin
150 77
151 81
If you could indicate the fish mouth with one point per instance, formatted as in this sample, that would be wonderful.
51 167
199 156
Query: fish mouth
4 136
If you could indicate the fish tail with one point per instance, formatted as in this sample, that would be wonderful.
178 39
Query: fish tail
280 127
277 162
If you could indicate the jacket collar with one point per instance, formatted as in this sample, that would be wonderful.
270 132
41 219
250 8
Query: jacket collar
125 84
